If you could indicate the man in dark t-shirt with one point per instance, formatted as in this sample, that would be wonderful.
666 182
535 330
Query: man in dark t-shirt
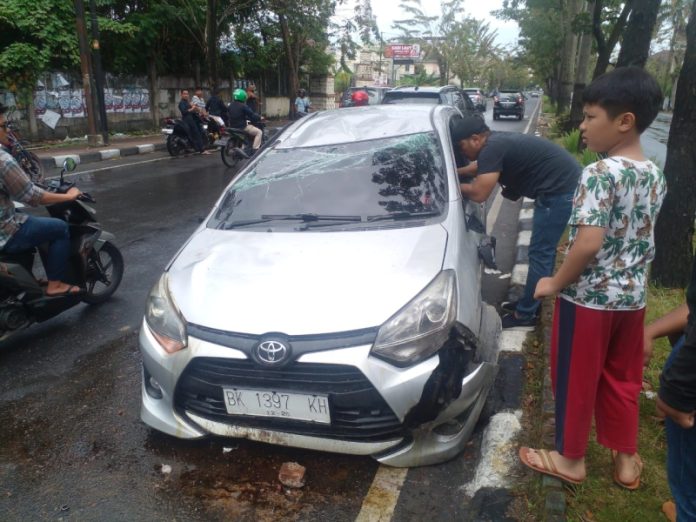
527 166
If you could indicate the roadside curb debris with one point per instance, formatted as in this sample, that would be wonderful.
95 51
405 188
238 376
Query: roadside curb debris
107 153
292 475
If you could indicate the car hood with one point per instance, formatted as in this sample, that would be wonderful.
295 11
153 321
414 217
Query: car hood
303 282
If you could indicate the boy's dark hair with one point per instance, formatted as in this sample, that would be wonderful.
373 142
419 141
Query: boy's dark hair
3 109
626 89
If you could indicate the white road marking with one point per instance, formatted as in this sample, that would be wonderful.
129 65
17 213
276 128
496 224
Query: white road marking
112 167
380 502
524 238
493 212
532 118
498 453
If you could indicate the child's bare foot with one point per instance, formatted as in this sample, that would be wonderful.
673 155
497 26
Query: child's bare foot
554 464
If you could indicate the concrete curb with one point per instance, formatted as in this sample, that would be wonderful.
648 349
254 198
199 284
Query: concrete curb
56 161
554 494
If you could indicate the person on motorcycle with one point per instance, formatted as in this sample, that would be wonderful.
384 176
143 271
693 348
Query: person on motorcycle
216 107
239 113
20 232
190 121
302 103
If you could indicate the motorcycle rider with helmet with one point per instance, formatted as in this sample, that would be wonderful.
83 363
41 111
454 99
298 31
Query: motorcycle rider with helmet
239 113
360 98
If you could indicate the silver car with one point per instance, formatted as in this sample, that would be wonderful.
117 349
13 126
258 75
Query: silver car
331 300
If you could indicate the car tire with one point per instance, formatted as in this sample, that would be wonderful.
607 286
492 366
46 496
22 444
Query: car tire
496 116
520 117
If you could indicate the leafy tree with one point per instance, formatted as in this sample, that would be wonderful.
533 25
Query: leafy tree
674 229
471 51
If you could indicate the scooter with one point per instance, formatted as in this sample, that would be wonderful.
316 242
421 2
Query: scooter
178 141
95 264
236 145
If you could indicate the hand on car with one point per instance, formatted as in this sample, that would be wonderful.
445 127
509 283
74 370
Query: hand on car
684 419
545 287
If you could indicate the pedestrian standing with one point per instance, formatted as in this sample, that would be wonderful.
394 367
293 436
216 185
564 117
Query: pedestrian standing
597 338
524 166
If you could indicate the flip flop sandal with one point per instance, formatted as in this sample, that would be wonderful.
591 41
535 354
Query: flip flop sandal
548 468
632 486
69 291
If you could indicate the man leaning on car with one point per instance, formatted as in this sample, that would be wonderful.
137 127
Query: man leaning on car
526 166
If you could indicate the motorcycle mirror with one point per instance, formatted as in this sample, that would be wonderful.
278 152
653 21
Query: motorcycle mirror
69 164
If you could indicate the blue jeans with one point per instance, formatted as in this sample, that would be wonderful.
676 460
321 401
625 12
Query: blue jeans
551 215
681 460
38 230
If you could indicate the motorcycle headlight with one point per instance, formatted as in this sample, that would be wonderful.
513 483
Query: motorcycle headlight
164 319
421 327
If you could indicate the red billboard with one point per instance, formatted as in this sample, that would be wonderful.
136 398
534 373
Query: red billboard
402 51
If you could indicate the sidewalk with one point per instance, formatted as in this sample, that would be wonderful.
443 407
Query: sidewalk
53 156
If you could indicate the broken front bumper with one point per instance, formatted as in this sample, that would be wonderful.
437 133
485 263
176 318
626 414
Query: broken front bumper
434 410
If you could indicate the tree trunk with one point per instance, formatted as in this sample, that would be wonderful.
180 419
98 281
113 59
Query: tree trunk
674 230
581 74
567 57
292 66
606 47
211 44
154 89
31 118
635 45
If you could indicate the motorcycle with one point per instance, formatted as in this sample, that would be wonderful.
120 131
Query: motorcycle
26 159
178 141
95 264
236 144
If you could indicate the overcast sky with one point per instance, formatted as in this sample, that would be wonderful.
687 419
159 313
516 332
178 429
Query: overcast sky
387 11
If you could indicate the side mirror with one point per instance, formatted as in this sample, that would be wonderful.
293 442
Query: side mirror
69 165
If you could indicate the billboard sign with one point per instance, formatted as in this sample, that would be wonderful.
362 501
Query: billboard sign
402 51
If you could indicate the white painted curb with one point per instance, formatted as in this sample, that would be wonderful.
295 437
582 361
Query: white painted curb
524 238
519 275
148 147
526 214
512 341
60 159
110 153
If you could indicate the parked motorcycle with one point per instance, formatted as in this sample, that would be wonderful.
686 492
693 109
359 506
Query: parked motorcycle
26 159
95 264
236 145
178 142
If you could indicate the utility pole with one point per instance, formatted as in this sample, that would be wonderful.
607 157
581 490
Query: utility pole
92 136
98 73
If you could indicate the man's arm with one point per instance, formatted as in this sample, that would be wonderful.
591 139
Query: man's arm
671 324
480 187
587 243
468 170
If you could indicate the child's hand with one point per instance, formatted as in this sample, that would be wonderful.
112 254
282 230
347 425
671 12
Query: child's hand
545 287
684 419
647 347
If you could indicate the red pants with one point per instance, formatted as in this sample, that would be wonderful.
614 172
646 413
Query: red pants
596 367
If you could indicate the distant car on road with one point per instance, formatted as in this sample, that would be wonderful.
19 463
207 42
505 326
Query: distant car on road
332 298
477 97
447 95
374 95
508 103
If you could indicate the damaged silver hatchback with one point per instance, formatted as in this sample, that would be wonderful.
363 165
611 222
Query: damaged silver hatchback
332 298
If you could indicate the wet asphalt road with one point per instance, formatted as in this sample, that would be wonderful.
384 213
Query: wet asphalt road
71 442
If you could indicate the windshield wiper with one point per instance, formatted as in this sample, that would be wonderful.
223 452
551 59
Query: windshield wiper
309 217
306 218
403 215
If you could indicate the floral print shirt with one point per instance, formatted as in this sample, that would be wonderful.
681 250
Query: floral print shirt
622 196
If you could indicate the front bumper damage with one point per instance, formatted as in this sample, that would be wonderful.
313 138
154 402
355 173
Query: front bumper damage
438 401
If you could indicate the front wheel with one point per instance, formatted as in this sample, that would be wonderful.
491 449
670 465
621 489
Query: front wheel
231 155
104 273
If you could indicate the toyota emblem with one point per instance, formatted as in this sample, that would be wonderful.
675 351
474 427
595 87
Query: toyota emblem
271 352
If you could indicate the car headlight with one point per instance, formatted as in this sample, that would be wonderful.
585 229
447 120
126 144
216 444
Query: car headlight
163 317
421 327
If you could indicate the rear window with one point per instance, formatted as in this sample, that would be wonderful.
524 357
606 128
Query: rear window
366 179
432 98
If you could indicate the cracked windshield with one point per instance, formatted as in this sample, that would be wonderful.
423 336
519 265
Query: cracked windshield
387 179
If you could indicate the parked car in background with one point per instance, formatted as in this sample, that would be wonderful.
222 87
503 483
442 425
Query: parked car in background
332 298
508 103
477 97
447 95
374 95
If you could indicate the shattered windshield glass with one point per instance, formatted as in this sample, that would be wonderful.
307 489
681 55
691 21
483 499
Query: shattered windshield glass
340 185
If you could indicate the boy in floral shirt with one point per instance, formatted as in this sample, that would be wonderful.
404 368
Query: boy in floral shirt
597 339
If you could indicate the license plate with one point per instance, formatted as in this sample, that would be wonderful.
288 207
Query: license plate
507 104
167 131
220 143
265 403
